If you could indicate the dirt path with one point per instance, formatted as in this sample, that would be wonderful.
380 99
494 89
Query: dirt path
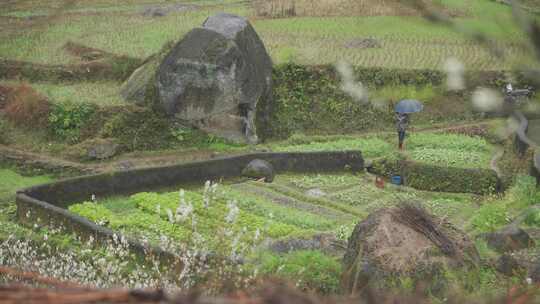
50 164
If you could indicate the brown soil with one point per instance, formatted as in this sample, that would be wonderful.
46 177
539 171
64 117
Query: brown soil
50 164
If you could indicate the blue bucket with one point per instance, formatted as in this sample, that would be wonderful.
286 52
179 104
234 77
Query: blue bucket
396 180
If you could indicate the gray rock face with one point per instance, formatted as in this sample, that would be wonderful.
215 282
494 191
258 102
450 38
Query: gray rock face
259 168
510 238
135 88
215 77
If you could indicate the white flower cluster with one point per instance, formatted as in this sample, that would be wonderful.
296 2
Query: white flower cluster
233 212
209 193
217 256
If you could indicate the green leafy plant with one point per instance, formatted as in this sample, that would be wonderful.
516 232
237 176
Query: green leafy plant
311 270
181 133
490 217
68 118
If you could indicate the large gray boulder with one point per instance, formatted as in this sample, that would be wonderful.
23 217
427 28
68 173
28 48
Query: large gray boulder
259 168
215 76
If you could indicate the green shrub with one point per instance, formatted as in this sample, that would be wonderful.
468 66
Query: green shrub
439 178
449 179
533 218
310 270
491 216
524 192
68 118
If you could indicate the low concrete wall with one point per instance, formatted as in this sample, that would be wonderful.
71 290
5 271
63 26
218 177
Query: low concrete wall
47 204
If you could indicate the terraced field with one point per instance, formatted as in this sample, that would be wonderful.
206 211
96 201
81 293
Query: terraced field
433 148
293 206
102 93
397 40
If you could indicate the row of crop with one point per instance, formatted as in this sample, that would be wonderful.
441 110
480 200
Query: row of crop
179 216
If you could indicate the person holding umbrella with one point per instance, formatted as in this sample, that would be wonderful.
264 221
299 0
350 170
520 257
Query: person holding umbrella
402 122
403 109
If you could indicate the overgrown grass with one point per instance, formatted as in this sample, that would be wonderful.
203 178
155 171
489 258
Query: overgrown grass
11 181
310 270
497 212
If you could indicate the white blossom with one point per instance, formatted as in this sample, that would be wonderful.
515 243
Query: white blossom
233 212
